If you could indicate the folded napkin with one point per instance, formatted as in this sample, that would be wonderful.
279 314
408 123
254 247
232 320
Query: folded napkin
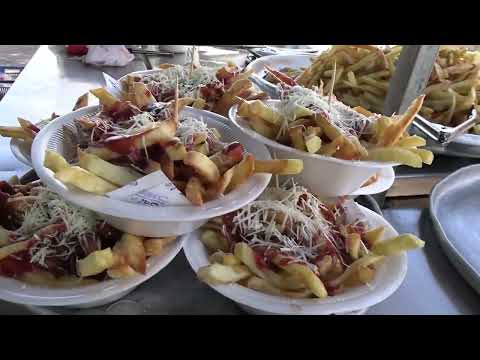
108 55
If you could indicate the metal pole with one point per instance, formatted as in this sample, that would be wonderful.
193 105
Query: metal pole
412 72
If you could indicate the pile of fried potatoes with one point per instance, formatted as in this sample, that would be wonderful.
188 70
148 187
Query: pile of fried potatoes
240 88
291 278
127 258
314 133
363 73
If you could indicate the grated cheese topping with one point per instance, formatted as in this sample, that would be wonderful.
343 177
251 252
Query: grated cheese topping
189 81
51 209
287 219
189 126
344 117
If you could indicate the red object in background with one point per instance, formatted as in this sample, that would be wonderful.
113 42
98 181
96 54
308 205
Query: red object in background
77 50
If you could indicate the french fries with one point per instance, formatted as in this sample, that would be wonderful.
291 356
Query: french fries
195 191
104 97
214 241
450 93
324 133
202 165
83 235
400 155
157 246
14 132
84 180
117 175
222 274
234 86
262 249
13 248
262 285
396 245
242 171
121 137
55 161
279 167
142 96
95 263
81 102
130 250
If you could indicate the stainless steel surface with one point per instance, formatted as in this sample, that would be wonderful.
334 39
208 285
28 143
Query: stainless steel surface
454 205
52 82
432 285
410 78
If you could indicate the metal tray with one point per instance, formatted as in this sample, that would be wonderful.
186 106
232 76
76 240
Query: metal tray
454 208
173 291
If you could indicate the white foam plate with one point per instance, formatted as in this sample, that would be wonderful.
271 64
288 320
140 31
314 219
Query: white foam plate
324 175
388 278
141 219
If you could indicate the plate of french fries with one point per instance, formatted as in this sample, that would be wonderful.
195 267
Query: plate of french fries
333 139
54 253
363 73
289 252
197 164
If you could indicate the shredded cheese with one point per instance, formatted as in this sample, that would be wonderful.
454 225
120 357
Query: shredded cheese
344 117
289 220
189 126
189 81
51 209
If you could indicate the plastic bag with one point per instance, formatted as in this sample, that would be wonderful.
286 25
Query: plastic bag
108 55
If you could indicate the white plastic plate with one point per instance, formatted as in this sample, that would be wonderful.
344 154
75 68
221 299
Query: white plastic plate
388 278
141 219
323 175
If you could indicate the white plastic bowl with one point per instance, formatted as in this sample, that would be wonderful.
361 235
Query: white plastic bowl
388 278
85 296
140 219
323 175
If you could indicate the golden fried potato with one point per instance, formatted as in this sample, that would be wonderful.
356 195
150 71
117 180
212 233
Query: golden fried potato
205 167
117 175
143 97
242 171
54 161
95 263
84 180
279 167
131 251
194 191
222 274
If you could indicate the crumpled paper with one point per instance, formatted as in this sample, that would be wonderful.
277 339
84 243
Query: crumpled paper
108 55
